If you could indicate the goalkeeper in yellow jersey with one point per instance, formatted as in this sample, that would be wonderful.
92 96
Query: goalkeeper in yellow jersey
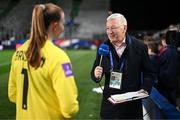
41 81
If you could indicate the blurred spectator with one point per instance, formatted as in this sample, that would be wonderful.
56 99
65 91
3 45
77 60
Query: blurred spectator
153 53
173 36
168 70
163 41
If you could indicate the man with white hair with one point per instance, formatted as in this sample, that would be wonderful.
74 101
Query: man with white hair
129 63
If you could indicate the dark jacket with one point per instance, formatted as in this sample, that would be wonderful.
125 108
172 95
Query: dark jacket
136 62
155 62
168 73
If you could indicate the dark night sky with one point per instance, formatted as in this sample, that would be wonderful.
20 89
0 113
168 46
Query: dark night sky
147 14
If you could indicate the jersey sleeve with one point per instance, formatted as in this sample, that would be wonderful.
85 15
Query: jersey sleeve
12 83
65 86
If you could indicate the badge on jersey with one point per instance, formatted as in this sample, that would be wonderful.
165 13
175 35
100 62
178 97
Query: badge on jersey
115 80
67 69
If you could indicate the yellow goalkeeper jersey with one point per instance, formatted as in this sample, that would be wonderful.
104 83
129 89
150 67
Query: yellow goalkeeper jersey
48 92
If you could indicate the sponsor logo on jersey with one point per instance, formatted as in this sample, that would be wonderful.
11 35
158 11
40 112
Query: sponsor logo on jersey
67 69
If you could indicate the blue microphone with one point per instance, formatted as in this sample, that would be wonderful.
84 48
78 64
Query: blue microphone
103 51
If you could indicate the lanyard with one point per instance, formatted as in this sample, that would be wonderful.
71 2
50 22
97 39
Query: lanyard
112 64
123 61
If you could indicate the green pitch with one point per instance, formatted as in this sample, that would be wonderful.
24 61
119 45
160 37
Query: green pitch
82 61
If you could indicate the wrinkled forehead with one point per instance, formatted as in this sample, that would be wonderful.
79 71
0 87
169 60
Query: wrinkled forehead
112 22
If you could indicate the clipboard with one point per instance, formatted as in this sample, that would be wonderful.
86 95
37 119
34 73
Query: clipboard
125 97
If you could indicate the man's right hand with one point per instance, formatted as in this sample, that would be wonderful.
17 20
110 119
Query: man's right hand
98 72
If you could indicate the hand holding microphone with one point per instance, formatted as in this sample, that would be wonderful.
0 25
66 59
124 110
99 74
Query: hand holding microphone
98 72
103 51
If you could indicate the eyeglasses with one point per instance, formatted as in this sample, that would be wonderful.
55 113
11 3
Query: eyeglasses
113 27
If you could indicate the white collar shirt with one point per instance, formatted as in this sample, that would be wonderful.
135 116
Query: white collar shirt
120 49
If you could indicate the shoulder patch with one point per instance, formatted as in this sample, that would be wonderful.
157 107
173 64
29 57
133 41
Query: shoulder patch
67 69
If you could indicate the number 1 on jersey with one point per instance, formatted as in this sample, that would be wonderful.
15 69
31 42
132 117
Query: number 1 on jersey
25 89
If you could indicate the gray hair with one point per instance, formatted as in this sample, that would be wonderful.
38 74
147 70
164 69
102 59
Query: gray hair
118 16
